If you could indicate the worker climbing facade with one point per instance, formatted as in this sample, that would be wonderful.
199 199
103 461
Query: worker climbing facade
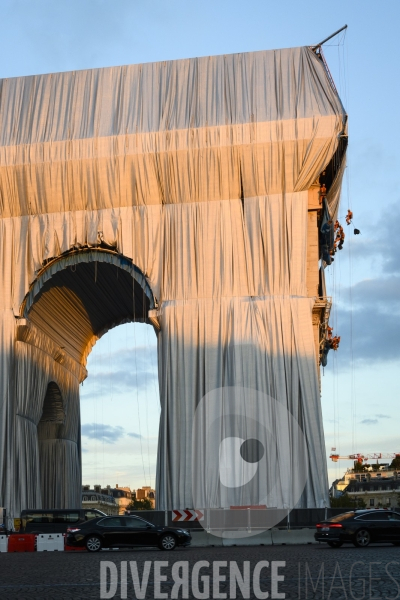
349 217
322 193
335 342
331 239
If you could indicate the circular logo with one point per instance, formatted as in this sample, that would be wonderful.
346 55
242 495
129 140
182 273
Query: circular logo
248 452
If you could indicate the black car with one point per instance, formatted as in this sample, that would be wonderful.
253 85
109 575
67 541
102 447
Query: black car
360 527
119 532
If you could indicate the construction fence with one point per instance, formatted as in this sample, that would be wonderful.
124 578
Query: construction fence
213 519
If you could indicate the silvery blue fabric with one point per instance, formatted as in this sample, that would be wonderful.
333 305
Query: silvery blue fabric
196 172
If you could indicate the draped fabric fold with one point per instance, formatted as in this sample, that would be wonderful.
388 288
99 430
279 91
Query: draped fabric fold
39 445
194 176
333 197
171 132
7 407
60 473
264 343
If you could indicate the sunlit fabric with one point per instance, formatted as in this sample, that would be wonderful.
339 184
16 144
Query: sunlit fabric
191 179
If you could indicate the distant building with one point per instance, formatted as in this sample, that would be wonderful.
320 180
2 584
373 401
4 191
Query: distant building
123 497
377 491
376 487
146 492
337 487
114 501
99 498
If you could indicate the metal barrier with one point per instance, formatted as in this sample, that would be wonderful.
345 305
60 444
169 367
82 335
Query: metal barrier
246 519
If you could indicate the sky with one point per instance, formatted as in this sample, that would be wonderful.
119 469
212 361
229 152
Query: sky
360 385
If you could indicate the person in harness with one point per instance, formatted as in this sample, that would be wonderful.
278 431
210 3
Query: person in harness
342 236
322 193
349 217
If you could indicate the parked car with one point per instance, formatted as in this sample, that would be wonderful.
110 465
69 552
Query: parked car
125 531
53 520
360 527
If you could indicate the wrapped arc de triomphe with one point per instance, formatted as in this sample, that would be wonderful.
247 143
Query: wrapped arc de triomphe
184 194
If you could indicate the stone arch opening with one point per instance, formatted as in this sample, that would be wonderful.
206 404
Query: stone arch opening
50 430
77 297
74 300
53 414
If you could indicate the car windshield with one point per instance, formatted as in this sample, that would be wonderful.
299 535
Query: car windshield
341 517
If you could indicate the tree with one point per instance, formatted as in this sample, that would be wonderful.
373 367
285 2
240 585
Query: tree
359 467
395 464
144 504
346 501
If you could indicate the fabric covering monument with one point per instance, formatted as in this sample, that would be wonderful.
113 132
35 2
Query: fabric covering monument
183 194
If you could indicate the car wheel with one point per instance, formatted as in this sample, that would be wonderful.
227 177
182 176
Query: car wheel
362 538
167 542
93 543
335 544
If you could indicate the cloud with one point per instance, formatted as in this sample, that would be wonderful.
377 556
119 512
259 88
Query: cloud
135 435
374 421
121 372
369 334
381 242
368 313
109 382
382 292
99 431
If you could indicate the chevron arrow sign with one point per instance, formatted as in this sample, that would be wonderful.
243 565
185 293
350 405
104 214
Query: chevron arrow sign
187 515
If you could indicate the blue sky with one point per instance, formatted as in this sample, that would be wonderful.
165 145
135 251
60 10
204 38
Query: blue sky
360 388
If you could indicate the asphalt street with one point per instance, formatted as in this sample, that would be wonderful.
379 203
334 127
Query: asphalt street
291 572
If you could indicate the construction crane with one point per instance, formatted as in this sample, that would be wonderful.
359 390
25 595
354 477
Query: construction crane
360 458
